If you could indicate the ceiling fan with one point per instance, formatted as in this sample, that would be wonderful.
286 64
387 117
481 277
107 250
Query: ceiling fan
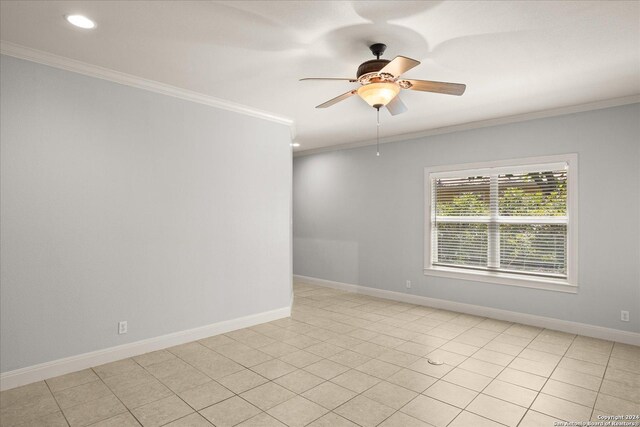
381 82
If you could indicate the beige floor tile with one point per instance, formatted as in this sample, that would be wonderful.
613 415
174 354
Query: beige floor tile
560 408
412 380
431 411
625 365
467 419
250 357
588 356
154 357
205 395
216 341
592 344
117 383
22 395
278 349
229 412
123 366
460 348
378 368
628 378
81 394
364 411
34 408
582 366
511 393
332 420
570 392
93 411
616 406
577 378
429 340
299 381
506 348
329 395
142 394
452 359
492 357
389 394
497 410
543 369
539 356
424 367
387 341
267 395
326 369
536 419
450 393
481 367
398 358
523 379
300 358
625 351
242 381
217 366
192 420
297 412
261 420
122 420
621 390
273 369
71 380
549 347
415 348
185 380
355 380
168 367
301 341
324 349
162 411
349 358
467 379
400 419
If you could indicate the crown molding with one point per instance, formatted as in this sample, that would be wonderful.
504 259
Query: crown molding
68 64
571 109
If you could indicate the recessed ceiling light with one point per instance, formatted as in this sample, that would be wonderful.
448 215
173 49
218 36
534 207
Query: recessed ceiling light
295 144
80 21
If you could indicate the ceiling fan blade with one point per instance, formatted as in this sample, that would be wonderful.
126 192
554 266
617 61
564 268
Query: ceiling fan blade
328 78
399 65
438 87
337 99
396 106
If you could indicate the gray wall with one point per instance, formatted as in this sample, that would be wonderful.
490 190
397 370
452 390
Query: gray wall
122 204
359 219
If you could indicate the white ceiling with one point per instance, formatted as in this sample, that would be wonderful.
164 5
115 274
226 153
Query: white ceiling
515 56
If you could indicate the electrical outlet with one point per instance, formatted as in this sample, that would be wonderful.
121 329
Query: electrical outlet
122 327
408 284
624 316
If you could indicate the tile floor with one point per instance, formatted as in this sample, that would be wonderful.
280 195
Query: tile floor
344 359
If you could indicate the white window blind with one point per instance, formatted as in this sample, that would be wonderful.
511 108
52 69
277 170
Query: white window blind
509 219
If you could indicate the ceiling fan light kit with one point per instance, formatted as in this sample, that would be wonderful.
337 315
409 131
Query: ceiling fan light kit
378 94
380 83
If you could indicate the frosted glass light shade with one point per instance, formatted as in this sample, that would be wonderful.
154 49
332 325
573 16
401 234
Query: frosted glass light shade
378 94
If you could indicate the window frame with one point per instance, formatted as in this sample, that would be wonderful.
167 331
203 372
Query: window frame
570 284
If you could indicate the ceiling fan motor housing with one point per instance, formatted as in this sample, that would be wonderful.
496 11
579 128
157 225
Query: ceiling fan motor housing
372 66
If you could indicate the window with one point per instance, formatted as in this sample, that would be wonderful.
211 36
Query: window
508 222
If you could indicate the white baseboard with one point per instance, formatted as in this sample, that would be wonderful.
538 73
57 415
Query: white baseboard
478 310
58 367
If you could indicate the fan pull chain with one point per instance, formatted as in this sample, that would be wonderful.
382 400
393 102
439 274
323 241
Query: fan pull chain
378 132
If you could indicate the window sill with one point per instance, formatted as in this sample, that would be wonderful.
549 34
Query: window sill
503 279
